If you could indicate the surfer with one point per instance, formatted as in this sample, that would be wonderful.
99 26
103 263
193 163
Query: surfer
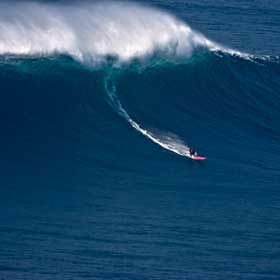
192 152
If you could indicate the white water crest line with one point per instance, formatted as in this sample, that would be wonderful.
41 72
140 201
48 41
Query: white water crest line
166 141
92 32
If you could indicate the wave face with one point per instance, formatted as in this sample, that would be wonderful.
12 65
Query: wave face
99 106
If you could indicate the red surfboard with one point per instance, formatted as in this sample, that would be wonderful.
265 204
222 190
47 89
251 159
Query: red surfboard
197 158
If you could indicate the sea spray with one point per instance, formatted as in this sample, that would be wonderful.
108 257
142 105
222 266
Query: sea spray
91 32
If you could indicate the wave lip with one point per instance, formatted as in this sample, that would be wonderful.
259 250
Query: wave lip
94 31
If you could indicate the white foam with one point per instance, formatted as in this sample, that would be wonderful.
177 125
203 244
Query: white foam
169 142
93 31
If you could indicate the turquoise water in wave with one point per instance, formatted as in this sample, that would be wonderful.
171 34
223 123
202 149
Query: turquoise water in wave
99 104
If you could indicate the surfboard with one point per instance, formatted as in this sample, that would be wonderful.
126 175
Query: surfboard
193 157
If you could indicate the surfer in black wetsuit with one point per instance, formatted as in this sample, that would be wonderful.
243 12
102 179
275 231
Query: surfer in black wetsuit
192 152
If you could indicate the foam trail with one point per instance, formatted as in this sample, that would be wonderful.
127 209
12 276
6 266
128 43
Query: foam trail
168 142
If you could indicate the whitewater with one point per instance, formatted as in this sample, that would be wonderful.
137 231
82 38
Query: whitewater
91 32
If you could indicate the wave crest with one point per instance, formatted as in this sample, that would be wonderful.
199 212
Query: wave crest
94 31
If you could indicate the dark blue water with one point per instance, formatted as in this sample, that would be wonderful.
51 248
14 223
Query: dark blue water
86 192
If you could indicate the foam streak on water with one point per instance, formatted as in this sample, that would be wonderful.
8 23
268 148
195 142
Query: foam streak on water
169 142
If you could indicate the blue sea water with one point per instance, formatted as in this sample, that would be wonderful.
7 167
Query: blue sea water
99 103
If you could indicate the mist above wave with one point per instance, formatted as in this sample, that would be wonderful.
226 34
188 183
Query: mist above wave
94 31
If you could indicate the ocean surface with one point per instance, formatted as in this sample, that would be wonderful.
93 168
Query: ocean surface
99 105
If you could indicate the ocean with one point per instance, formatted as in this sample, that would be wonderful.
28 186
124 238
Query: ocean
100 103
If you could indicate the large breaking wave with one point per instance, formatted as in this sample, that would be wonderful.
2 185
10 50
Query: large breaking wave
125 33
